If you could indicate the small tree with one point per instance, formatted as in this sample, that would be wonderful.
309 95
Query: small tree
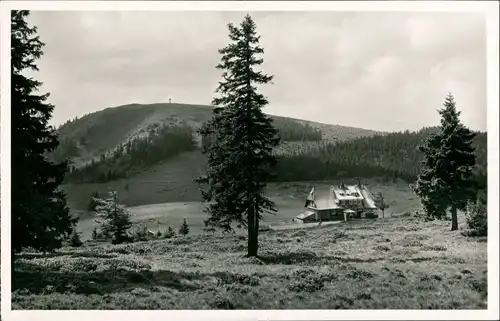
93 202
169 233
184 229
381 203
477 217
75 240
95 235
116 218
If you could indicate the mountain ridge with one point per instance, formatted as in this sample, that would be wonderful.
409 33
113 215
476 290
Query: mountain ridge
113 126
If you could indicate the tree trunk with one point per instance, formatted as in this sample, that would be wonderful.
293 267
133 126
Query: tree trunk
454 218
382 213
252 233
256 215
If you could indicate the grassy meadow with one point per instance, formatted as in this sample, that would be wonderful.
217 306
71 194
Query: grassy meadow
393 263
289 199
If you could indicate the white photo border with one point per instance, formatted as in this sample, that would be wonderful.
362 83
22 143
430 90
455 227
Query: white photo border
488 8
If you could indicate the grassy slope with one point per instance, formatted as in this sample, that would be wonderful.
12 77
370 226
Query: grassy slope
396 263
171 181
289 199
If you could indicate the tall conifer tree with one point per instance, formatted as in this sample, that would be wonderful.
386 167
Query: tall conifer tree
40 216
428 186
447 181
242 139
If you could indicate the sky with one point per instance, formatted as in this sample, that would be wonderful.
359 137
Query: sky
386 71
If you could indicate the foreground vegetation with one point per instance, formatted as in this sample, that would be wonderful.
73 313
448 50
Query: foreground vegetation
395 263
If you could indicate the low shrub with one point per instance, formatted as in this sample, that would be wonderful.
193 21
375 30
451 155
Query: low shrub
75 240
477 218
227 278
359 274
305 281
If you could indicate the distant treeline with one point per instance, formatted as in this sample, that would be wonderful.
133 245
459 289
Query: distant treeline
391 156
162 142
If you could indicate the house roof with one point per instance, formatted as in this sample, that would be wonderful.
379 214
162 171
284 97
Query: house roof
351 192
330 200
326 204
305 214
368 201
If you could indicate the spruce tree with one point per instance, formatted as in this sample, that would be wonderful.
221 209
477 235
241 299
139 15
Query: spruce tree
169 233
75 240
447 181
116 218
94 233
93 202
40 216
428 186
242 139
184 229
477 216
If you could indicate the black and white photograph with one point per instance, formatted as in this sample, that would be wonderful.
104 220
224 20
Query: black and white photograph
261 157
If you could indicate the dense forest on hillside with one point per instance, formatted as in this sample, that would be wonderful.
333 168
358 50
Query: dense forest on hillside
161 142
394 155
292 131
